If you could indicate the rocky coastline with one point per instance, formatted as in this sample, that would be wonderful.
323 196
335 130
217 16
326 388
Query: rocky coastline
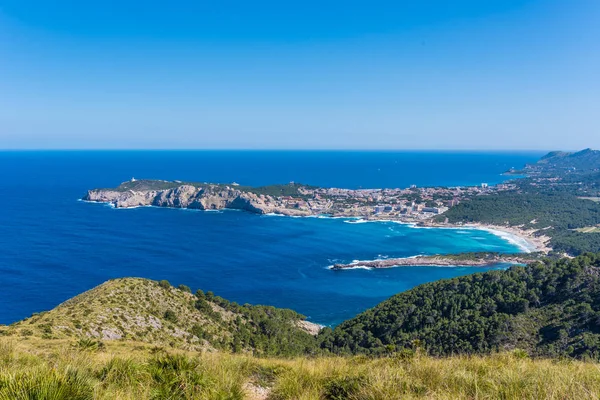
436 261
209 197
176 194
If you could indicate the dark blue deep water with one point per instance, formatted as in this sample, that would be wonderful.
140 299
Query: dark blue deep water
53 247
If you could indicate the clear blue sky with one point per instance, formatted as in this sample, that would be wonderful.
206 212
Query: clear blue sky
427 74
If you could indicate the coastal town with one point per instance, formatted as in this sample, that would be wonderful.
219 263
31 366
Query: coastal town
412 204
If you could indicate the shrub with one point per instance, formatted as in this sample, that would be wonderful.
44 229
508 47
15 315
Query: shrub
343 387
170 316
184 288
164 284
198 331
89 344
202 305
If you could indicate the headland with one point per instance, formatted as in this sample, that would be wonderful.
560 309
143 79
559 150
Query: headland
420 207
483 259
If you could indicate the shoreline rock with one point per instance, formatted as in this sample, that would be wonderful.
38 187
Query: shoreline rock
435 261
192 197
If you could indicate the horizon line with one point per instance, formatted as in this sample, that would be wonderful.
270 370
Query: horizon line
282 149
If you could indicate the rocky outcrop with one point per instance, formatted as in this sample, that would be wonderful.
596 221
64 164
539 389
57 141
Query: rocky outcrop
436 261
207 197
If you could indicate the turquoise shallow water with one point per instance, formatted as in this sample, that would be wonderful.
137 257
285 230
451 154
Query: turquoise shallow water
54 246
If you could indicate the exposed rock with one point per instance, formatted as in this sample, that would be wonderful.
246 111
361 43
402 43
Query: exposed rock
188 196
436 261
111 334
309 327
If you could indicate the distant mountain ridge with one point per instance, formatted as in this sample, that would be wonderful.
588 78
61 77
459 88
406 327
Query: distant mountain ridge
583 161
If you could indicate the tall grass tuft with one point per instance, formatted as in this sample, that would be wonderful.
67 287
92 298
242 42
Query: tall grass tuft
177 376
45 384
49 370
125 372
89 344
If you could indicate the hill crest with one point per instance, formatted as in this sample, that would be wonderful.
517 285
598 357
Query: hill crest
155 312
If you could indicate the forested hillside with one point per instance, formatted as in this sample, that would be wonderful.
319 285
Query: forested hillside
554 213
550 308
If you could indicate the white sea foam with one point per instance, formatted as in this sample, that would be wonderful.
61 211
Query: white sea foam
522 243
325 216
357 267
517 240
104 203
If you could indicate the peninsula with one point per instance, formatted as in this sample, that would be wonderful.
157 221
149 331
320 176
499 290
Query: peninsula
552 206
447 260
408 205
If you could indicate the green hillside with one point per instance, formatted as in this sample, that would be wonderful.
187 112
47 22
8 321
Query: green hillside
513 334
554 214
157 313
548 309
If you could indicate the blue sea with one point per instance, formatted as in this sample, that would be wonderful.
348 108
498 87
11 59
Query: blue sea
53 246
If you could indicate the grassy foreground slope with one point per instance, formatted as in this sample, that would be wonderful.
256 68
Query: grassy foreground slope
32 368
141 339
155 312
548 309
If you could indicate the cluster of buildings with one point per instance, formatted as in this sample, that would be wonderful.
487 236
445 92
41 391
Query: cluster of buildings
408 204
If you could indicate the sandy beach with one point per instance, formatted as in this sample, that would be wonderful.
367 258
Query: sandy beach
525 238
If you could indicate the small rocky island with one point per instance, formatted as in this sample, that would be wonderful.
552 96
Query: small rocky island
450 260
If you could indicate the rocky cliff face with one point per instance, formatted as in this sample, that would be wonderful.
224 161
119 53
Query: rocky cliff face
193 197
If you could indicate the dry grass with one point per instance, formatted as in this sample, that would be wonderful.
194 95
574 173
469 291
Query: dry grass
130 309
61 369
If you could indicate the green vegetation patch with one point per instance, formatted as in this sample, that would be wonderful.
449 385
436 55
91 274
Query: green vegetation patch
548 309
158 313
555 214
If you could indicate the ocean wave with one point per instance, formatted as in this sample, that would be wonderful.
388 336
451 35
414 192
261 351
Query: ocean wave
357 267
356 221
274 214
325 216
